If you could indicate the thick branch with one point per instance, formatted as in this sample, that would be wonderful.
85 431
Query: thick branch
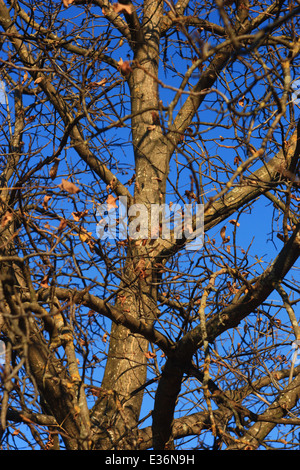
285 402
113 313
176 365
270 173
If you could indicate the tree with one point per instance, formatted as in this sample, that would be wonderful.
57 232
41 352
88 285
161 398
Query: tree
139 342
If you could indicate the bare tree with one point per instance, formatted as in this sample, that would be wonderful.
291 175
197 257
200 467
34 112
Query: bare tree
140 342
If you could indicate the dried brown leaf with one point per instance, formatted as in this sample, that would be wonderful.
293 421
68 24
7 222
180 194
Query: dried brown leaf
69 187
66 3
25 77
44 281
124 67
234 222
111 201
237 160
62 225
6 218
38 80
53 170
150 355
79 214
45 202
223 232
84 235
280 236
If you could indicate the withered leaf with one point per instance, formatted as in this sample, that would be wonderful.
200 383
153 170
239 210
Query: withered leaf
38 80
53 170
150 355
280 236
97 84
45 202
84 235
62 225
124 67
111 201
223 235
223 232
25 77
237 160
234 222
66 3
44 281
6 218
79 214
69 187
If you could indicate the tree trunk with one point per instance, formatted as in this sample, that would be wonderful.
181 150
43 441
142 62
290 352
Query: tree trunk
126 366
